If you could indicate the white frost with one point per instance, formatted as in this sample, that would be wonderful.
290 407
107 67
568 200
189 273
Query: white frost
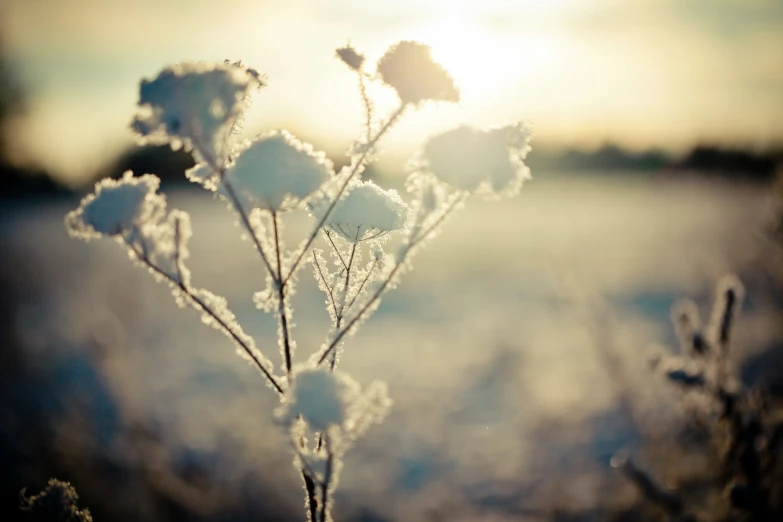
276 171
366 212
489 162
332 402
117 207
321 398
196 103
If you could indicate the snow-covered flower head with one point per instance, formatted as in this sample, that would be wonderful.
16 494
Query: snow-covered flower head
409 68
321 397
196 103
117 207
326 400
273 172
366 212
486 161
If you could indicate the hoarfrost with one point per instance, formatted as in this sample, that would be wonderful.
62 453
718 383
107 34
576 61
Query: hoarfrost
321 398
331 402
276 171
116 207
196 103
365 212
488 162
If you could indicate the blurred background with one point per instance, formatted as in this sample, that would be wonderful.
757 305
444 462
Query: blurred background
516 351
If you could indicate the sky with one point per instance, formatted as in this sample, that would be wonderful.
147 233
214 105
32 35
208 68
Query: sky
643 73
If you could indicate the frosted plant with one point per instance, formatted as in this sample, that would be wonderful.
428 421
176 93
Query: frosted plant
200 106
740 431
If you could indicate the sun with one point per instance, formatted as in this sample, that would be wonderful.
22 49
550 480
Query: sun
480 61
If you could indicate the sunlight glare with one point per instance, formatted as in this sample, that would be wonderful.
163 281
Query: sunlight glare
481 62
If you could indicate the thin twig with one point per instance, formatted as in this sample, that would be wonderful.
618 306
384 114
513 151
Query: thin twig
364 282
177 257
347 278
246 222
328 288
312 501
188 292
327 481
396 114
221 172
382 288
367 105
336 250
281 308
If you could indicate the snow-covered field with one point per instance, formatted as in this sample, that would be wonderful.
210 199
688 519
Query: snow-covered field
494 348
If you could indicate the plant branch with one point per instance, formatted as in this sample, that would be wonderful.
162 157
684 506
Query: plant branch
364 282
336 250
232 196
393 118
379 292
328 288
281 306
347 280
327 480
367 105
201 304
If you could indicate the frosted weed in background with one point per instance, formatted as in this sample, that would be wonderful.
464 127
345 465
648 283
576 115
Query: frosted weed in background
200 106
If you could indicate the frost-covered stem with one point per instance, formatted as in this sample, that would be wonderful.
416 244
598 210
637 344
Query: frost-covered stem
364 282
281 306
336 250
340 316
312 500
327 480
367 104
328 288
246 222
221 171
201 304
177 256
393 118
347 282
381 289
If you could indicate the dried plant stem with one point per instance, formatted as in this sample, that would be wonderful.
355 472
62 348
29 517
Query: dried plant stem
312 500
329 291
382 288
281 298
364 282
232 196
367 148
327 480
144 258
367 105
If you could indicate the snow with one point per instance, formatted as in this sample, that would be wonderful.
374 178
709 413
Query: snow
484 161
277 171
366 212
320 397
195 102
116 207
